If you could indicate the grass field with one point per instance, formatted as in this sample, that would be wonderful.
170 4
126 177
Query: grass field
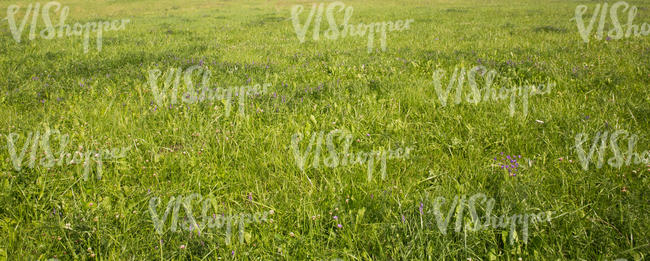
228 157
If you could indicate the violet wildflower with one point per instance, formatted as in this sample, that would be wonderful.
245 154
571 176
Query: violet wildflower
339 225
511 164
421 208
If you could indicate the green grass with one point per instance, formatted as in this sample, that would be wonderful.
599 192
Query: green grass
390 95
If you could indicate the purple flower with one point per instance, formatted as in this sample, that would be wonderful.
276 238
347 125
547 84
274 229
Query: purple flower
421 208
336 217
368 134
339 225
403 219
250 196
232 253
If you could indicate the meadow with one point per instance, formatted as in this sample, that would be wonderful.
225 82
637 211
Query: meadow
260 177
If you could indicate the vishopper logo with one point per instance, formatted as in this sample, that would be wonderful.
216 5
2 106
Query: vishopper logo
334 31
475 95
168 93
333 160
616 31
208 221
50 31
619 157
457 206
48 160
